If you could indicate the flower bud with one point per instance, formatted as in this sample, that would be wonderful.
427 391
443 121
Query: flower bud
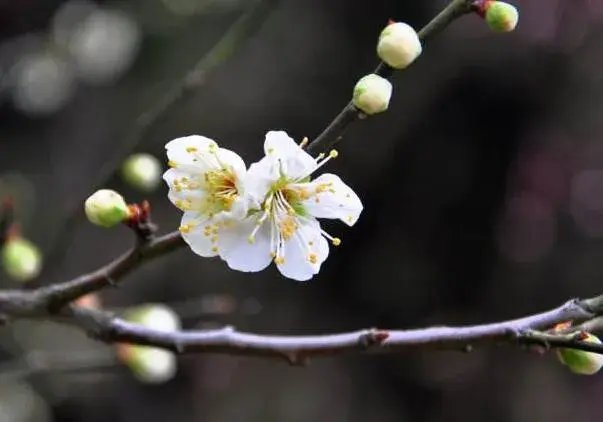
150 364
142 171
580 361
106 208
21 259
372 94
399 45
501 16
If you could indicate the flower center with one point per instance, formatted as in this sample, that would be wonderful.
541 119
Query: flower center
221 189
283 207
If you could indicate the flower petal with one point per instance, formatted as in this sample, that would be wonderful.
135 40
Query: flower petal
288 156
193 153
232 160
184 191
239 254
304 252
200 233
331 198
260 177
180 145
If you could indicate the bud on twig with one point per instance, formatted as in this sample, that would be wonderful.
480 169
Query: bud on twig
21 259
399 45
580 361
142 171
500 16
106 208
150 364
372 94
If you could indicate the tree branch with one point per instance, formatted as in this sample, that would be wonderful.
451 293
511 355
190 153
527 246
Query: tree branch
336 129
58 295
297 349
50 302
234 38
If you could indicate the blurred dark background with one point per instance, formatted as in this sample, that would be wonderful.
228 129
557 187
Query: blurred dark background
481 187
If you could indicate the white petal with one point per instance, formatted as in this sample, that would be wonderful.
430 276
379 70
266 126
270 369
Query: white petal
239 254
337 200
239 208
304 252
174 179
199 235
233 161
293 161
260 177
202 143
193 153
179 194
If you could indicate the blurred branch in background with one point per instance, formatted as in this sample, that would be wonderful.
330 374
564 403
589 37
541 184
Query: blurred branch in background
194 79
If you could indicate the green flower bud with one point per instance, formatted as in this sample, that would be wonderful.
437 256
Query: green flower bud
106 208
372 94
142 171
501 16
21 259
157 316
150 364
579 361
399 45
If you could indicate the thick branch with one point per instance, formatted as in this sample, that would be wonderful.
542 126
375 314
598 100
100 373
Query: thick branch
297 349
335 130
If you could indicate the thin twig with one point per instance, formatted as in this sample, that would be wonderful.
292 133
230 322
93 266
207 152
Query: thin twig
335 130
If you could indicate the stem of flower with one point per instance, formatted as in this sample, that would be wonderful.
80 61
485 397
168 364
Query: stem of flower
336 129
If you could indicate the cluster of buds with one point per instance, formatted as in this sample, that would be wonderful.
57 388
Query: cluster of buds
399 46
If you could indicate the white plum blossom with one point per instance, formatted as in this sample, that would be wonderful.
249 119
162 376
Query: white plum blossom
267 213
284 228
207 183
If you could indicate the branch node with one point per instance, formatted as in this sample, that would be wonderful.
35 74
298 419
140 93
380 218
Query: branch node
140 222
514 333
